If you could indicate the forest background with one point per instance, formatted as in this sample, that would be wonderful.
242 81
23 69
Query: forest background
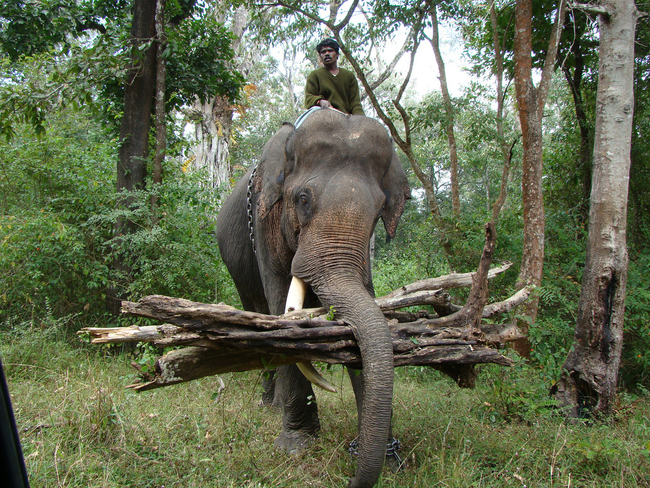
77 231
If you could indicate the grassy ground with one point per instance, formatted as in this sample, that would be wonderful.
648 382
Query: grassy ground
80 427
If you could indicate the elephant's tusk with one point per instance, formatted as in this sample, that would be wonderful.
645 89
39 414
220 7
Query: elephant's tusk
296 295
295 300
314 376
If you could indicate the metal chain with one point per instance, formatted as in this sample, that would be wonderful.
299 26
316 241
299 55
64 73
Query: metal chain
249 207
392 448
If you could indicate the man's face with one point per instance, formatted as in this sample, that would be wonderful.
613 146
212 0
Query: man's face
328 56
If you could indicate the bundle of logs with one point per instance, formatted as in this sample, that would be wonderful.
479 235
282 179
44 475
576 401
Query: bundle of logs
213 339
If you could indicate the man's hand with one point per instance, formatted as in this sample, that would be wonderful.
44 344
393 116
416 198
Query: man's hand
322 103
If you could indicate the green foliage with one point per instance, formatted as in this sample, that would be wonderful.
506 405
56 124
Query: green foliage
413 255
62 65
57 219
635 362
199 62
30 28
50 259
331 314
512 397
39 85
172 250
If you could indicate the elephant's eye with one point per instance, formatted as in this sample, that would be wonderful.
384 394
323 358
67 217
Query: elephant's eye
304 199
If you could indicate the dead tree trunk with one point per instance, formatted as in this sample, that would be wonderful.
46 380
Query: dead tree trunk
214 117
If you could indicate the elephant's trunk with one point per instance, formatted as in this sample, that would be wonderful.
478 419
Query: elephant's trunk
355 305
376 347
333 257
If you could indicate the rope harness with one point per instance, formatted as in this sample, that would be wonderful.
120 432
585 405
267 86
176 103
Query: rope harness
249 207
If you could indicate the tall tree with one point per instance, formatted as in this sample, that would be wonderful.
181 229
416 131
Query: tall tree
589 375
449 110
531 101
213 117
138 99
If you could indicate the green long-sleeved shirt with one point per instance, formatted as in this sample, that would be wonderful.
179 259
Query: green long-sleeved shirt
342 90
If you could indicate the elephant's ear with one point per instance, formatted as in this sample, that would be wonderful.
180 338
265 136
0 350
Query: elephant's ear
271 170
396 188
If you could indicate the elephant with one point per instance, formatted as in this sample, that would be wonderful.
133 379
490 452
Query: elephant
307 212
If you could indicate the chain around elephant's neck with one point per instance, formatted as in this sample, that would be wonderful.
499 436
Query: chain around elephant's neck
249 206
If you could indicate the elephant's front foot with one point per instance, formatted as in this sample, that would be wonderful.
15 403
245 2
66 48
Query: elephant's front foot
294 441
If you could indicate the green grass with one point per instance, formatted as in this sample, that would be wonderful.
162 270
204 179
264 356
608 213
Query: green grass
80 427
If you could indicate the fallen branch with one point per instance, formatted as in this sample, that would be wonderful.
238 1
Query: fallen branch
218 338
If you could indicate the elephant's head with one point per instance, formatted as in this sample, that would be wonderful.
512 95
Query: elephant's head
340 174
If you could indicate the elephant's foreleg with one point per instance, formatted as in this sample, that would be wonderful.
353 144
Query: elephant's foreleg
268 389
300 422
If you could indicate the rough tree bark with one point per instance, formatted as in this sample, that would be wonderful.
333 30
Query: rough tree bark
138 98
531 101
214 118
587 386
161 77
134 127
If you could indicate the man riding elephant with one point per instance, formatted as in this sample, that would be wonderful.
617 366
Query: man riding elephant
330 85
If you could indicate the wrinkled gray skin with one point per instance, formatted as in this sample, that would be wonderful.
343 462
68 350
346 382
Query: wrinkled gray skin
317 196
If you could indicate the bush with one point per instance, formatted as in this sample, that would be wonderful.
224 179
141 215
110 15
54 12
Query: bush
635 363
50 261
59 255
173 250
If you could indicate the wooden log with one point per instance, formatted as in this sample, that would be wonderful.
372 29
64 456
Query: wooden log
219 338
447 282
190 363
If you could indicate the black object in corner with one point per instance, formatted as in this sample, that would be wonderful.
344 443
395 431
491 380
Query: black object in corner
12 464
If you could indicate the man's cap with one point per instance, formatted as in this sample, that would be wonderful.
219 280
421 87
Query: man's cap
329 42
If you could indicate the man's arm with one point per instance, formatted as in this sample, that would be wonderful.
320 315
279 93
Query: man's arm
312 87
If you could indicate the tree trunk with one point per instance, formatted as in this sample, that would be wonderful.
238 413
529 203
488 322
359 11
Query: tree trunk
449 114
136 122
161 74
212 132
214 128
587 386
531 101
138 98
